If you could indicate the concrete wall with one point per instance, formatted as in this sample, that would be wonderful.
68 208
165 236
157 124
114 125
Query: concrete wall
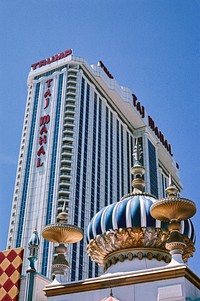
178 289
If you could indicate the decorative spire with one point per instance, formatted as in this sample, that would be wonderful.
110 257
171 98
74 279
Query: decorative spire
137 153
33 246
61 233
173 209
137 170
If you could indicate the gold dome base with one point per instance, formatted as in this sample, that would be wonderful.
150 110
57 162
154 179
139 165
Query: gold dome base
106 244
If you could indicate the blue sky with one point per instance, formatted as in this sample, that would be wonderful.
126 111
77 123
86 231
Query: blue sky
153 47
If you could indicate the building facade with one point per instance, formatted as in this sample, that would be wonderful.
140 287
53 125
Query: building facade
76 150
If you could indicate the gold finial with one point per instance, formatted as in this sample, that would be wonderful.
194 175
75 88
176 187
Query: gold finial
61 233
173 209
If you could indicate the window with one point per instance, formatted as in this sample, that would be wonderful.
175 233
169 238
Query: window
153 169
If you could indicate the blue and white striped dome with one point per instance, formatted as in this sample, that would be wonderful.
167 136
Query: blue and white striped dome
34 241
131 211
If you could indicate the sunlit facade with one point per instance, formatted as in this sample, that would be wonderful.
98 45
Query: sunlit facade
77 142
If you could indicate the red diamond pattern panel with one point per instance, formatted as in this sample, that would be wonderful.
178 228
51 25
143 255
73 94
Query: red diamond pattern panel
10 271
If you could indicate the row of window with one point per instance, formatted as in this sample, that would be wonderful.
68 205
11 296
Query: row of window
67 153
21 156
27 170
84 179
93 175
77 189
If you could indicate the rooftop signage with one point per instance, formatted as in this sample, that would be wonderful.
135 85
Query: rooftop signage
44 120
52 59
139 107
101 64
152 125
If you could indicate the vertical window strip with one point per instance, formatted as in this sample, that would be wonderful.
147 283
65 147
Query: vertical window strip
106 159
153 169
27 170
163 186
132 161
118 163
52 174
96 270
93 172
90 268
140 142
84 180
122 161
128 163
111 157
99 170
78 173
99 156
93 158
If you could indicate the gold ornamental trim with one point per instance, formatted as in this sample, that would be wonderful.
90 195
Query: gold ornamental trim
124 280
137 253
122 239
138 194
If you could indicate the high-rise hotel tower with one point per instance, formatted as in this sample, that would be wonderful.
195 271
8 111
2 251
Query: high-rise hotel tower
76 149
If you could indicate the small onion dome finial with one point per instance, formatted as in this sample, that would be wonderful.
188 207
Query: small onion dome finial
33 246
138 170
34 241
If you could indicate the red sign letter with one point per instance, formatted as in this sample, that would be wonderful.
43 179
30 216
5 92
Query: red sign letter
47 93
41 151
48 82
43 130
39 164
43 140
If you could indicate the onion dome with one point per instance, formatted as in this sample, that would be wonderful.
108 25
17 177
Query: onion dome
131 211
34 241
126 231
